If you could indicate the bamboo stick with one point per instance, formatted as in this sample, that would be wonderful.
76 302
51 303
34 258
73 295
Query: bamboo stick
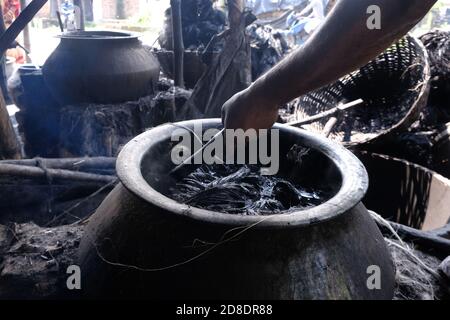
325 114
35 172
26 32
3 80
67 163
80 5
178 45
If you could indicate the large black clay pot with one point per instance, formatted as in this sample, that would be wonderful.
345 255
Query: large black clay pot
100 67
141 243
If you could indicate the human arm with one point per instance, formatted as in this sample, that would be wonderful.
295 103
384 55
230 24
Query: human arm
342 44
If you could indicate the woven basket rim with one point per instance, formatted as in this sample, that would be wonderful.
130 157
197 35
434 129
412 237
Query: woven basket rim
414 110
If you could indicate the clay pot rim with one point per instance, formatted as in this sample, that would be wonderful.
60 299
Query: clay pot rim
98 35
354 182
198 52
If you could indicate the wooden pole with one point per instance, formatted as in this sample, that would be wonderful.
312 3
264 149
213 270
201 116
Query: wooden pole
88 10
120 9
60 23
235 10
80 4
54 6
9 146
20 23
26 32
3 79
178 45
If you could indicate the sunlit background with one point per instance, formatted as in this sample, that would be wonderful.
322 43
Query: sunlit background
147 17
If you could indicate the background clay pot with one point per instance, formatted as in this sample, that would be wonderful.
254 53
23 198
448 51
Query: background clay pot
178 251
39 113
100 67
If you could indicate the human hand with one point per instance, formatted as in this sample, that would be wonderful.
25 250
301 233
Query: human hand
246 110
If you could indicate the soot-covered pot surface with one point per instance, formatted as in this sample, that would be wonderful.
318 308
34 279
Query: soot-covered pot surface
141 243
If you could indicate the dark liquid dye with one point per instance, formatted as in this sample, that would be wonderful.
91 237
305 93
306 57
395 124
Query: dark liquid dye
241 189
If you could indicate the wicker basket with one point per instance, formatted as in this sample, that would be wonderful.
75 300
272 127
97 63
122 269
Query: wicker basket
394 88
406 193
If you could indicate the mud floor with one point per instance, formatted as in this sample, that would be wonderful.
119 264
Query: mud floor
34 261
